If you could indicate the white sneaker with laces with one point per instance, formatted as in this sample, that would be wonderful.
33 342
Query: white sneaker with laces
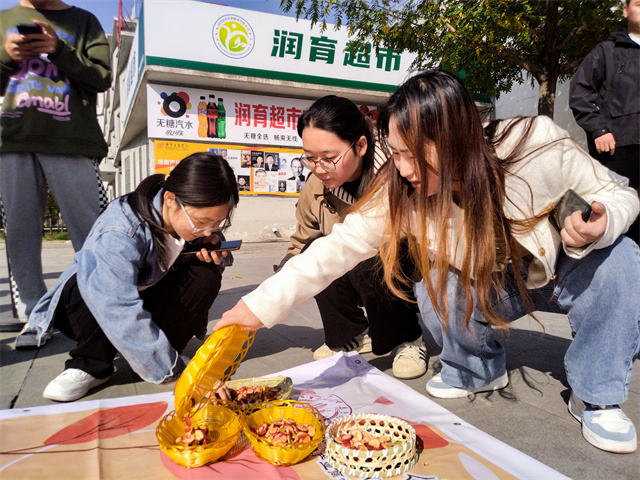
360 343
436 387
604 426
71 385
410 359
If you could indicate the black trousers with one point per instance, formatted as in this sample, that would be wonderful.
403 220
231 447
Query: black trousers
391 321
179 305
626 162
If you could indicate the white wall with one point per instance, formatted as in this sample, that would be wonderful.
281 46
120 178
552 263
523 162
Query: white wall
523 100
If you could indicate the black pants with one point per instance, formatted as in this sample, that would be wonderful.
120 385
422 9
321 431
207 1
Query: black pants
391 321
179 305
626 162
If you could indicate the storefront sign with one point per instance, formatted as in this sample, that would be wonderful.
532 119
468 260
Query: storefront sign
222 39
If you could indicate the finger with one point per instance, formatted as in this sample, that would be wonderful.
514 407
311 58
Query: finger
223 322
598 208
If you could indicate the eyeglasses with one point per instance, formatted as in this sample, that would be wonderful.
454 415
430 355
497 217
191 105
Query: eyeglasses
327 164
195 231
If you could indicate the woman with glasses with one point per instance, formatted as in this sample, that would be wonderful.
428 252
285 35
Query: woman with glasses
125 290
339 150
474 202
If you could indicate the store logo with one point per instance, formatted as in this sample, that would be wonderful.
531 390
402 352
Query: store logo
233 36
175 104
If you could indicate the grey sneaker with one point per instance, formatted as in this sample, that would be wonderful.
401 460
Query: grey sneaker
360 343
28 338
604 426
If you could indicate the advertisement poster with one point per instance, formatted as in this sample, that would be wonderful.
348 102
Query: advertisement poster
259 170
181 113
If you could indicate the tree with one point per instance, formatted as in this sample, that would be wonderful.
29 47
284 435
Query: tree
491 41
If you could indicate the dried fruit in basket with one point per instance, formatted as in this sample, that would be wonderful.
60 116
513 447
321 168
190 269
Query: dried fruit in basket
358 436
250 394
285 430
193 435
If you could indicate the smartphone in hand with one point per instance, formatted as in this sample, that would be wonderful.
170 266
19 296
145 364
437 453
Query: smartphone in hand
226 246
569 203
28 28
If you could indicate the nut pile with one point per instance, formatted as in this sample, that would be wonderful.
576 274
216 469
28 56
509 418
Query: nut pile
254 394
194 435
358 435
285 430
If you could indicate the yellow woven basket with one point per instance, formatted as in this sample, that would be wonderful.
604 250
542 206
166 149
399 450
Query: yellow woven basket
395 460
224 429
284 383
212 365
280 453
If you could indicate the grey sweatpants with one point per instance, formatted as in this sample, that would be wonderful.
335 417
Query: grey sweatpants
76 187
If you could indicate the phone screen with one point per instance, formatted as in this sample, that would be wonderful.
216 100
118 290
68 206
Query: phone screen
228 245
225 246
28 28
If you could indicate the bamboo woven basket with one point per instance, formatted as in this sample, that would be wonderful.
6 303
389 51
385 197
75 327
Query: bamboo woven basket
394 460
284 383
280 453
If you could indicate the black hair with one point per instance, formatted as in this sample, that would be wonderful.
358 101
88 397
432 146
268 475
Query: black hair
342 117
200 180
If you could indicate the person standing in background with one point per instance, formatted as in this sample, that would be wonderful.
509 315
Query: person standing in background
49 132
605 100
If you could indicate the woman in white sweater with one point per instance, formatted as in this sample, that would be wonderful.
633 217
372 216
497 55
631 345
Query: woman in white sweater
473 203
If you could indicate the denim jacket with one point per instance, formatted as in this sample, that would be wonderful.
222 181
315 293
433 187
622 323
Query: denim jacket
117 260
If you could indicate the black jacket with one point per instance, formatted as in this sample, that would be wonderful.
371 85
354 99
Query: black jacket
605 91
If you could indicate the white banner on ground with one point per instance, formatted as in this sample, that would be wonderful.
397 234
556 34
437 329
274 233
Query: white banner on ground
115 438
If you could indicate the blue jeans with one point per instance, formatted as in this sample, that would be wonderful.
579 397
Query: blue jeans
600 294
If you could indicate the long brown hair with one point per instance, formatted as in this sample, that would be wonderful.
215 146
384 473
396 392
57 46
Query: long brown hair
435 108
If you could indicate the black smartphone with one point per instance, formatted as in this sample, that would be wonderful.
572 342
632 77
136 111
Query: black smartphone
226 246
569 203
28 28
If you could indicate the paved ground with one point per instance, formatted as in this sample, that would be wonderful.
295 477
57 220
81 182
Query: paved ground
530 414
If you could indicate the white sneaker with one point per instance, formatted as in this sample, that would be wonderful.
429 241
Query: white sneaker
28 338
439 389
410 359
360 343
604 426
71 385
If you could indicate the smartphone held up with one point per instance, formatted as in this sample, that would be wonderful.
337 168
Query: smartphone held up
28 28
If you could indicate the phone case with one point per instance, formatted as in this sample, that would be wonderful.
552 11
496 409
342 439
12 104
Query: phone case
569 203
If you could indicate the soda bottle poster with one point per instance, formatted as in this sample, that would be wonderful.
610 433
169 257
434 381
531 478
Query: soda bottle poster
208 115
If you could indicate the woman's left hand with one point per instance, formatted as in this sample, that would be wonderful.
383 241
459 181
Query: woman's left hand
578 233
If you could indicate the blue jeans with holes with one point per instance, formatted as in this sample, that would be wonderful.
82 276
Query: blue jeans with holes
600 295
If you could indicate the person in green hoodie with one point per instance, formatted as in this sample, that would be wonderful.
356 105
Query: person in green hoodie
49 131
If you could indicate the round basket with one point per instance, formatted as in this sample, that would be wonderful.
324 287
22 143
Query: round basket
222 419
396 459
284 384
212 365
281 453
